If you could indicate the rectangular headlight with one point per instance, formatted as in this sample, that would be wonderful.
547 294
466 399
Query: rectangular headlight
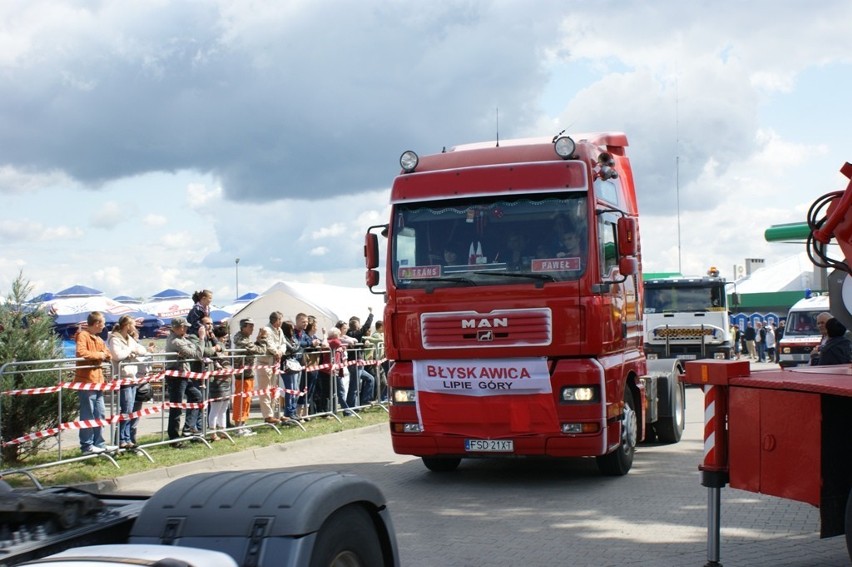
579 394
404 396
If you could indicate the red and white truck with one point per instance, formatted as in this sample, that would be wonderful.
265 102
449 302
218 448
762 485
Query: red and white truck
514 306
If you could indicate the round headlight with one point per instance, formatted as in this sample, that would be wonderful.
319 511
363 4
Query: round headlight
564 147
408 161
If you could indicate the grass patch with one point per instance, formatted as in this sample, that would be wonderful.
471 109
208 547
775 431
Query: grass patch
98 468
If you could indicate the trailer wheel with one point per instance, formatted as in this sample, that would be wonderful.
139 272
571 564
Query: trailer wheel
441 464
670 429
618 462
348 538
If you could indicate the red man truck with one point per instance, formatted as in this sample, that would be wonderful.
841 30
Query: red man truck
514 306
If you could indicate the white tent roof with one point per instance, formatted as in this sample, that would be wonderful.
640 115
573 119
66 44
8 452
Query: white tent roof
795 273
167 309
328 303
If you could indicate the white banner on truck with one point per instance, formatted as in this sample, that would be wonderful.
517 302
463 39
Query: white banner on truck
483 377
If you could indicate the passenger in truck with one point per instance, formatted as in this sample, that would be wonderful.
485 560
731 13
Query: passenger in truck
515 252
450 257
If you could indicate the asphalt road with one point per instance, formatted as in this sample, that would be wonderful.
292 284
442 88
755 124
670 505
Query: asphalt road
523 512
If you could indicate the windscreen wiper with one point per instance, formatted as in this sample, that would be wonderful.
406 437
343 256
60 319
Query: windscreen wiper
466 281
540 277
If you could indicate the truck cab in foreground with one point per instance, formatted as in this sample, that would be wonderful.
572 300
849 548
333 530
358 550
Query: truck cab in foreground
514 306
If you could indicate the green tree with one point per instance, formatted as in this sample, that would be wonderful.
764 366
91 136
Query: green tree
27 335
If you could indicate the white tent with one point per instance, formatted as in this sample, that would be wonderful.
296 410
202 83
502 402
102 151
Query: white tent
327 303
239 303
794 273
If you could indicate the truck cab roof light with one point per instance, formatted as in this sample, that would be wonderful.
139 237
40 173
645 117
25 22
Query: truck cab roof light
564 147
408 161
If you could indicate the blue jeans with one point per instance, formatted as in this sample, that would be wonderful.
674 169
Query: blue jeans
361 385
178 388
290 381
761 351
126 401
91 407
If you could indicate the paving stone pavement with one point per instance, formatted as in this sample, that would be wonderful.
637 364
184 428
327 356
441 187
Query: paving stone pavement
526 512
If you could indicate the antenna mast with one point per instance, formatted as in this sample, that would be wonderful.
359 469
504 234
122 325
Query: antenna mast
497 118
677 172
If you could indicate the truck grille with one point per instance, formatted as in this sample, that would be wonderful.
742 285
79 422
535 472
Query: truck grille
682 333
500 328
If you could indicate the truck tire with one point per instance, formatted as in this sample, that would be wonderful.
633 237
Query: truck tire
670 429
848 524
348 538
618 462
441 464
258 517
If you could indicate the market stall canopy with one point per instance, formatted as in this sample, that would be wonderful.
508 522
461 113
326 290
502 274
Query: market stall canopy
168 304
70 312
78 291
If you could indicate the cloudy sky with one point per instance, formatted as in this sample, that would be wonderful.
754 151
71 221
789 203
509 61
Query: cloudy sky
149 144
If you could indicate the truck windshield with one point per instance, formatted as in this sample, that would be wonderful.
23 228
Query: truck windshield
491 240
669 297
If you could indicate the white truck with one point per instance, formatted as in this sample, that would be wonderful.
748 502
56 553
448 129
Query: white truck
687 318
800 333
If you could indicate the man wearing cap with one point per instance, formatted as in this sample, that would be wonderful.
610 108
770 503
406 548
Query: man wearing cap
183 351
267 371
244 381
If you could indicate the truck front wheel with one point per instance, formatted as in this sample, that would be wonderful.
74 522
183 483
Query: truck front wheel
618 462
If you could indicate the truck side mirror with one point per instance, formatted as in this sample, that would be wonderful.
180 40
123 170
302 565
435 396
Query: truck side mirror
372 278
628 266
371 252
628 242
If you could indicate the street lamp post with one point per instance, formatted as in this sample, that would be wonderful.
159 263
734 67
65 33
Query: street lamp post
237 272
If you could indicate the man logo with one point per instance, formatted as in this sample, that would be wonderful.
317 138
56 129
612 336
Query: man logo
485 336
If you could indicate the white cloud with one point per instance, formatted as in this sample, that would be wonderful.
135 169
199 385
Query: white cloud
18 181
199 197
154 220
335 229
109 215
195 133
34 231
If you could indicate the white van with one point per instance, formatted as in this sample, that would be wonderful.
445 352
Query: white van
801 334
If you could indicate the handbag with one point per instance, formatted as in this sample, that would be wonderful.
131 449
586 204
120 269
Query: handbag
144 392
292 365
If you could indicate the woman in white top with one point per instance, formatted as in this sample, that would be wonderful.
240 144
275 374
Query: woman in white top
125 350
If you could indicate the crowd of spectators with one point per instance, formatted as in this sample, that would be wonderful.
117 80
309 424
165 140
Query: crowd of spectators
294 369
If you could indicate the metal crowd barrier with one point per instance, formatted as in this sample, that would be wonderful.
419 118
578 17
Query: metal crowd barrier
156 374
